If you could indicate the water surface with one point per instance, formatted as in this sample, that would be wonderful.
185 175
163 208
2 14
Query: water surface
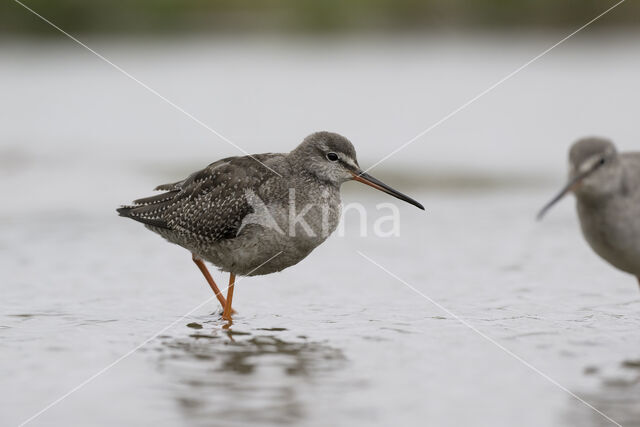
335 340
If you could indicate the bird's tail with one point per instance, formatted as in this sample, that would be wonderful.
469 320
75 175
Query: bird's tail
149 210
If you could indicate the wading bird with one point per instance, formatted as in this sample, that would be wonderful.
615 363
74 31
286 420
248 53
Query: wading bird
607 188
257 214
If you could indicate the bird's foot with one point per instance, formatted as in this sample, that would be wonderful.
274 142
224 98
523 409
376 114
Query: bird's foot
228 317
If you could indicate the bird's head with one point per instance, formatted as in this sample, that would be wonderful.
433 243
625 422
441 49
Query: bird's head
331 158
594 170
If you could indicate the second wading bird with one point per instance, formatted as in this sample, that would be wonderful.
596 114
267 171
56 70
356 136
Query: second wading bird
607 188
257 214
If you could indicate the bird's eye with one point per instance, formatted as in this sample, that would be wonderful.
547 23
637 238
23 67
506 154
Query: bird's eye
602 161
332 157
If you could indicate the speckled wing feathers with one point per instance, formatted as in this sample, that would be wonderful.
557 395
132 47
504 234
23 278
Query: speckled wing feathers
207 206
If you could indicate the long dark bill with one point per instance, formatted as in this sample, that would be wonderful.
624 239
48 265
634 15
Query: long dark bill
365 178
571 185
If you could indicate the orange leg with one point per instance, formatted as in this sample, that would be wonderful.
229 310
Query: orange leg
207 275
227 308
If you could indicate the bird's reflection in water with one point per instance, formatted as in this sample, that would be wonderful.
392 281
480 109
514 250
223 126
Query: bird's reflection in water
229 376
618 397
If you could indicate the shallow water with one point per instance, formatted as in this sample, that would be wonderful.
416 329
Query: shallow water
335 340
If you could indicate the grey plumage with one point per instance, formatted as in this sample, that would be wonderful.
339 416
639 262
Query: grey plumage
607 188
236 212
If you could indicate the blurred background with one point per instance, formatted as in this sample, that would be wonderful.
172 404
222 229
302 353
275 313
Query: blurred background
307 16
316 344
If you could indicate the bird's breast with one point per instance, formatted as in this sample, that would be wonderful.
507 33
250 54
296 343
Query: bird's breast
305 219
612 231
285 226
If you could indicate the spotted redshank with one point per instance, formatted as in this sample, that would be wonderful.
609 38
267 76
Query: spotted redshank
258 214
607 188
